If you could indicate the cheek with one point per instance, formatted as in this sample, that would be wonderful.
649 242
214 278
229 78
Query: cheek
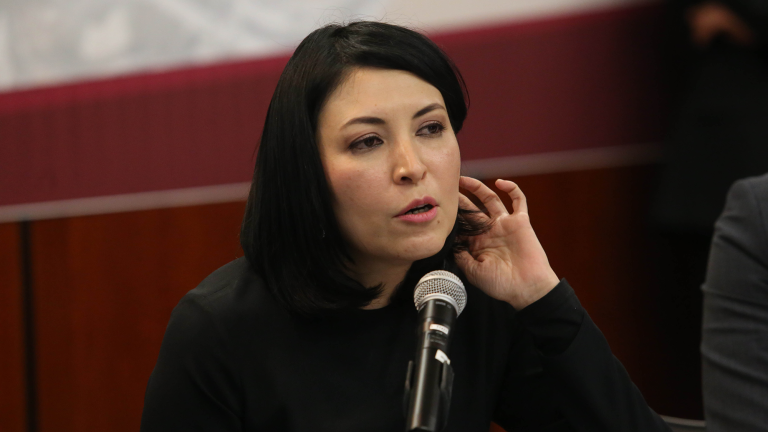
448 180
453 160
356 193
446 166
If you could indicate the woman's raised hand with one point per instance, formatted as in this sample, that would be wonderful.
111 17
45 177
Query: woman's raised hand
508 262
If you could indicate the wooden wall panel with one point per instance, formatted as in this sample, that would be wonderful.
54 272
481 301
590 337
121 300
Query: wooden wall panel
104 290
12 396
594 227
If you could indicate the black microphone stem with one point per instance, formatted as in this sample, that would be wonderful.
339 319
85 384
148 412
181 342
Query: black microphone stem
431 377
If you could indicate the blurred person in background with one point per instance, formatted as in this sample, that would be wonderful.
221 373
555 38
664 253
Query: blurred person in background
734 346
718 54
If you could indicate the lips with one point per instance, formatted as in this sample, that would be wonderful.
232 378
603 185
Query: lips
427 202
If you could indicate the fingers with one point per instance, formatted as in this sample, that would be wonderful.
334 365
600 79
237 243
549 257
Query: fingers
466 203
519 203
490 200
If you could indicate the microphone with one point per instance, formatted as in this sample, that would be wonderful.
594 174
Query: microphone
439 297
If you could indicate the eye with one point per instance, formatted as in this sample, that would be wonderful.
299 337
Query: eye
431 130
366 143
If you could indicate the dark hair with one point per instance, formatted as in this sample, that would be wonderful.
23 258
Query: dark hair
290 234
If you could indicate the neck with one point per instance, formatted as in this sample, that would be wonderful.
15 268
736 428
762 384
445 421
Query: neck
376 272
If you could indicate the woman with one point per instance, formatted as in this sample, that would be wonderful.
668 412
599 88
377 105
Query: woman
355 196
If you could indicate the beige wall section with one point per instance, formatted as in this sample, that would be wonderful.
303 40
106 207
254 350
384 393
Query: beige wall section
441 15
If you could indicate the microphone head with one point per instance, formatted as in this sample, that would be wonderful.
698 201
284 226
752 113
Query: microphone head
443 285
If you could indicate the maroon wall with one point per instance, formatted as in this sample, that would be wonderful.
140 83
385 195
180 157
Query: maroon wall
569 83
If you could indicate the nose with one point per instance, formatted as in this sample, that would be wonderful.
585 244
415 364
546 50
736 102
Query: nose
408 167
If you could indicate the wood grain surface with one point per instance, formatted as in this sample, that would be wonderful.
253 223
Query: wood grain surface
12 395
104 289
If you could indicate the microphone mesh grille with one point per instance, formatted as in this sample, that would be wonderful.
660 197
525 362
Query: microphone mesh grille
440 282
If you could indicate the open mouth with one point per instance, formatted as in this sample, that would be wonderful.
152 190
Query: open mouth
420 209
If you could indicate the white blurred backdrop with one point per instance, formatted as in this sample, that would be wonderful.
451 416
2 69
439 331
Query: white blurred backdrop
45 42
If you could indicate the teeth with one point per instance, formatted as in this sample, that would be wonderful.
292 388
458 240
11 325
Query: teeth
421 209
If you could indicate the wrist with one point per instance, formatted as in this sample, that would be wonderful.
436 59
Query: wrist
535 292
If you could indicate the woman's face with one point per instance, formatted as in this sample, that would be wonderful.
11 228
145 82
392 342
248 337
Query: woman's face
387 146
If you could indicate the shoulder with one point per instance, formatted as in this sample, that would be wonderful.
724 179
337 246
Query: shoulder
753 190
228 286
230 299
232 287
748 190
739 254
746 211
198 374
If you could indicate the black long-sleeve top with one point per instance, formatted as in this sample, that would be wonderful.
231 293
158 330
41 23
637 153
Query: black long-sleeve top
234 360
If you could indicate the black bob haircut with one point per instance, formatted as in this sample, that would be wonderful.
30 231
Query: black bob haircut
289 234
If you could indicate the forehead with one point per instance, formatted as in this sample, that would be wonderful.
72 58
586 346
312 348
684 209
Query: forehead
369 91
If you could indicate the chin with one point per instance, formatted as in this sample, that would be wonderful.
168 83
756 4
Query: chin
423 249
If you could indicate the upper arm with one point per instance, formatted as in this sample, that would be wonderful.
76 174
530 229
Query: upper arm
583 388
527 400
194 385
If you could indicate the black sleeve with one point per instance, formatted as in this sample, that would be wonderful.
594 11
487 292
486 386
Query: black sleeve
194 386
735 317
554 320
575 381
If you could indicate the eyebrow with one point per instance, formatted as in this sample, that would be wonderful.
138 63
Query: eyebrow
428 108
379 121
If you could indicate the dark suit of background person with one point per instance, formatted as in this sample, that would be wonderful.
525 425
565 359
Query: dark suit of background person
734 349
718 133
